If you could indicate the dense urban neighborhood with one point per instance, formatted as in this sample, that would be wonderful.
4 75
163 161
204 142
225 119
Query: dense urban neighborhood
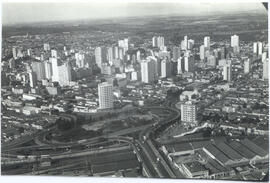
158 97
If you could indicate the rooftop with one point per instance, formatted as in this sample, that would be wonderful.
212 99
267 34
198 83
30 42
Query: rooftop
195 166
254 148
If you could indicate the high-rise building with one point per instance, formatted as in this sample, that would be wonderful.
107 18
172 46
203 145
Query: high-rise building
202 51
207 42
247 66
121 53
148 70
154 41
180 65
211 61
41 57
164 55
235 42
46 46
264 56
184 43
216 53
174 68
189 113
134 76
255 47
260 48
12 63
39 69
20 53
54 53
265 69
55 73
191 43
176 53
160 41
64 72
110 55
80 60
48 69
29 52
165 68
223 53
105 95
138 55
116 52
107 69
157 63
14 52
227 71
189 63
32 79
123 44
100 56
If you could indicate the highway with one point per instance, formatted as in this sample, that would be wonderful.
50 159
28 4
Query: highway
142 156
161 166
154 164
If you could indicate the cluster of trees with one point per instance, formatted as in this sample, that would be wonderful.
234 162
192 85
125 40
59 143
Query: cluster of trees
66 122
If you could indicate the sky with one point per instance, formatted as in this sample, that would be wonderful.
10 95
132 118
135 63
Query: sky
13 13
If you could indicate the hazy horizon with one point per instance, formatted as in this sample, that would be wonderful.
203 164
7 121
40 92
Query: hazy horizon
20 13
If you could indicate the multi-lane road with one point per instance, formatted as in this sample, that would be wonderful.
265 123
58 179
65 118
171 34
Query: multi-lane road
161 166
154 163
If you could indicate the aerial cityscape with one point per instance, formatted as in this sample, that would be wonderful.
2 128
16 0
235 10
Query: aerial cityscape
181 96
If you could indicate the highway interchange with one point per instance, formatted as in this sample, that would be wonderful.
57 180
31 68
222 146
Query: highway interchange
153 161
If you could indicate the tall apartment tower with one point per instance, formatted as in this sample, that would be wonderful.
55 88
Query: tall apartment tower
189 113
255 47
227 72
154 41
176 52
235 42
202 52
148 71
39 69
160 41
180 65
54 53
105 95
80 60
265 69
247 66
123 44
14 52
64 74
260 48
184 43
100 56
46 47
189 63
165 68
207 42
48 69
32 79
55 72
110 55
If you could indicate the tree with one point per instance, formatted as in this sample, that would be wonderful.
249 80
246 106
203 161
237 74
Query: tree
63 124
21 130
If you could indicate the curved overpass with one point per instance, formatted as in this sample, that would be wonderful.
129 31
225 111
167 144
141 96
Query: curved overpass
154 163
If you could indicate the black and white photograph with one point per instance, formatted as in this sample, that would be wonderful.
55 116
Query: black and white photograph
145 90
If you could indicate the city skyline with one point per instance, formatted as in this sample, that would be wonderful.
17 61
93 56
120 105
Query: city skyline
166 96
20 13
